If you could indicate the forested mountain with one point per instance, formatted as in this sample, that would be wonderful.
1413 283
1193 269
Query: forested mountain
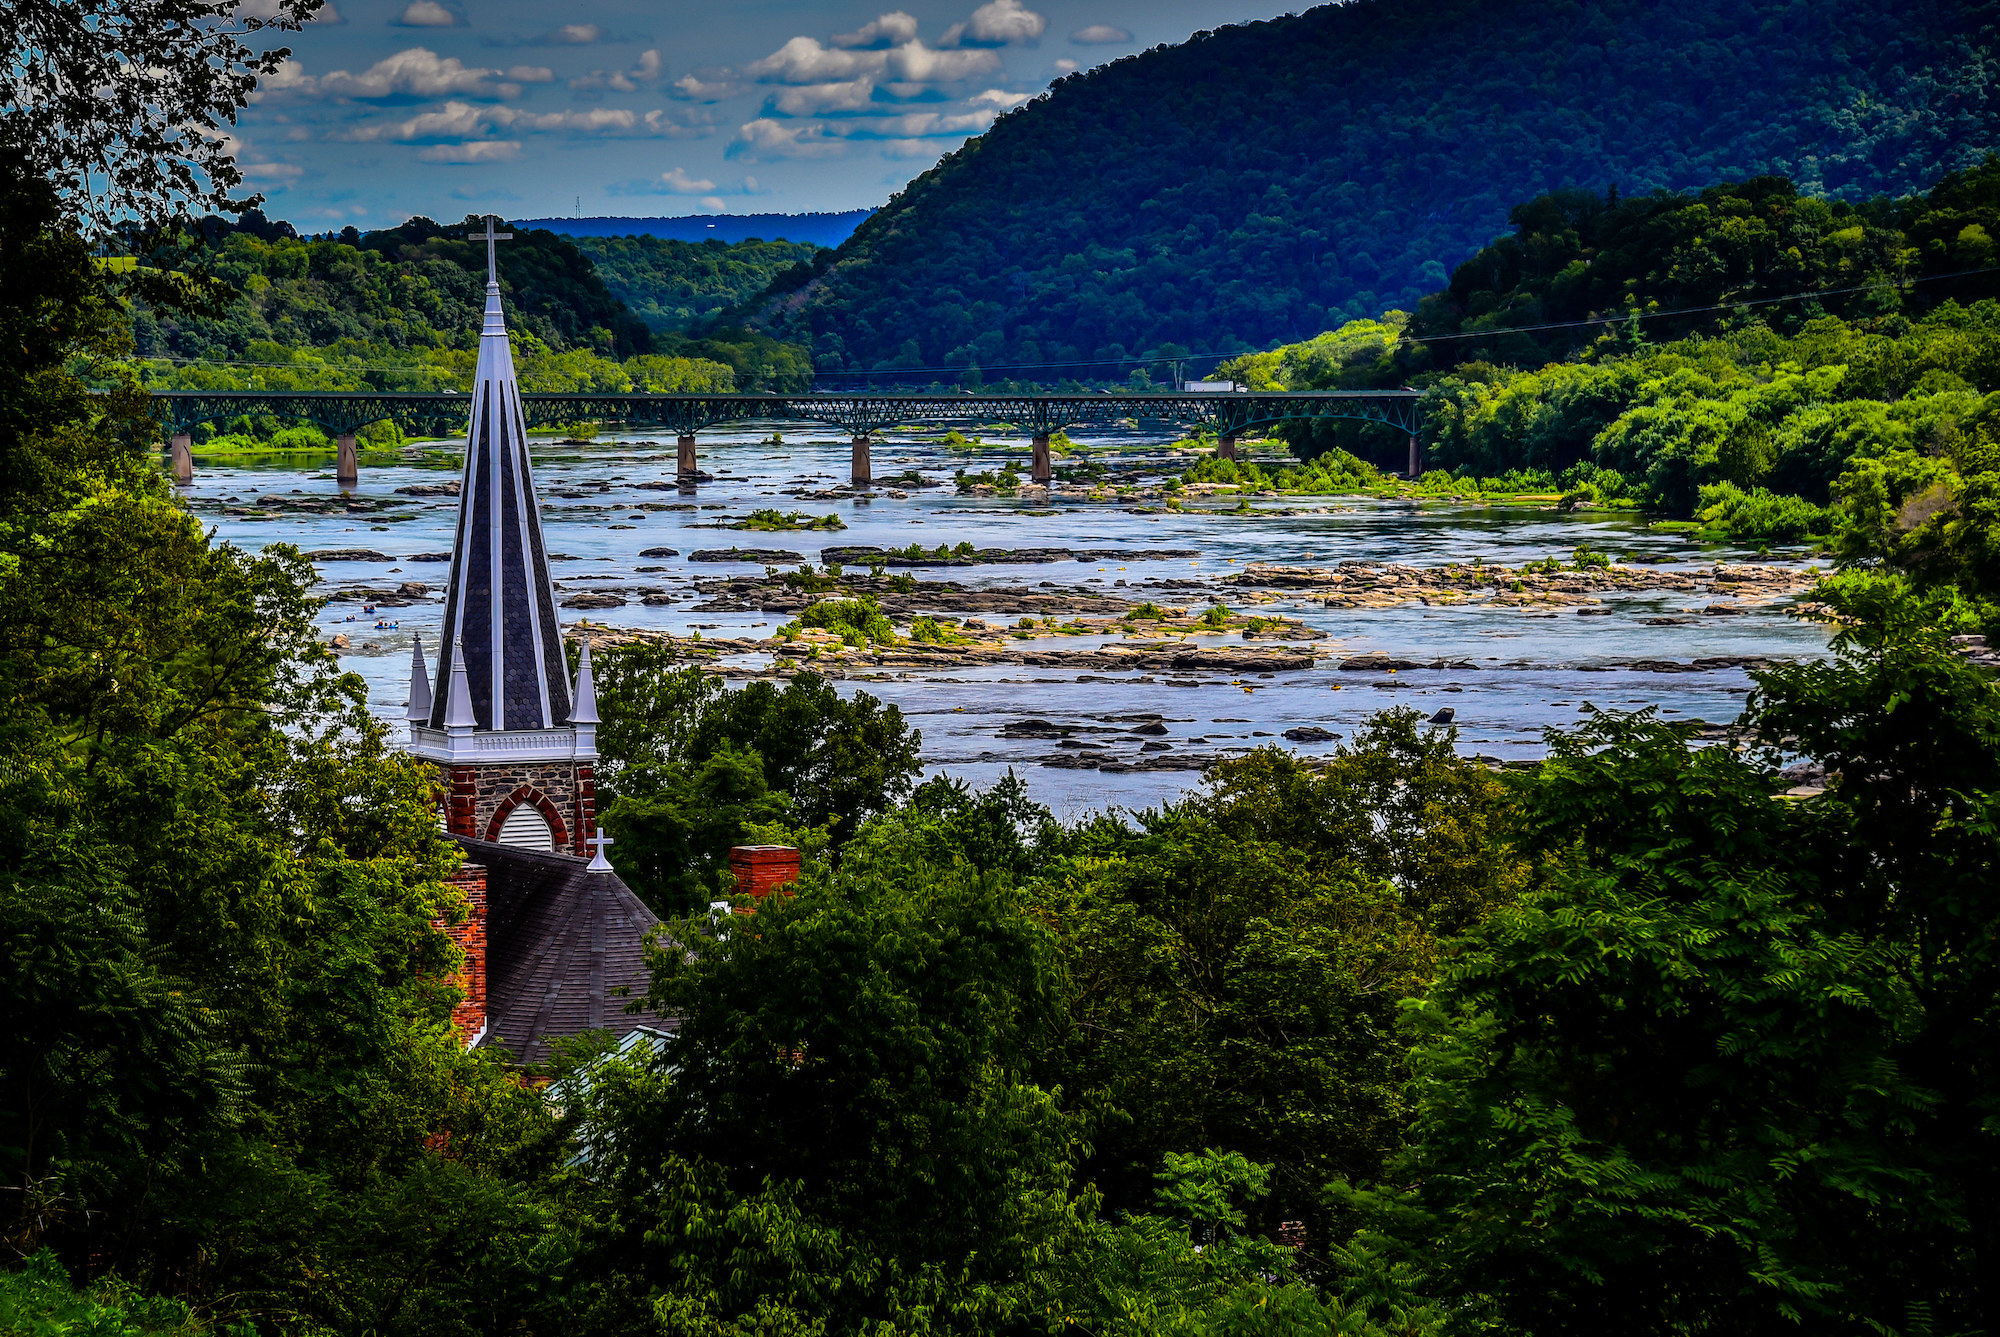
676 285
1274 179
819 229
400 309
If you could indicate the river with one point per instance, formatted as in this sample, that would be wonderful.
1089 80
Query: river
1530 669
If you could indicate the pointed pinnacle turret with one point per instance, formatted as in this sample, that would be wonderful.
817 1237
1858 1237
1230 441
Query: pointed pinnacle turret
419 711
585 710
458 702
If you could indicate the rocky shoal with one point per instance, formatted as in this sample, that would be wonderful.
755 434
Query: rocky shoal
1383 584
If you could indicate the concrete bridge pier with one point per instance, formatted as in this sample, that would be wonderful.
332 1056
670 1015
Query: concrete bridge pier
183 458
1416 461
685 470
1225 446
863 473
347 461
1040 471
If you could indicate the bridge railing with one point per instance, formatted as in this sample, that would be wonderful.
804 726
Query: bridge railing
444 413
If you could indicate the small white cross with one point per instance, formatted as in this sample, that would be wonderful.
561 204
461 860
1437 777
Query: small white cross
600 864
489 236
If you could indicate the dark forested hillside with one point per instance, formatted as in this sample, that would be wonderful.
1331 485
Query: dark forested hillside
1267 181
674 285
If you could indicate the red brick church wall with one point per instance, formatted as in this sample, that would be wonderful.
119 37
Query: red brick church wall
469 1017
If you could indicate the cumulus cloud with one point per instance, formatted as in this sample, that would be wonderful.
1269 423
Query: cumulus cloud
458 121
1000 100
481 151
818 99
892 29
714 204
767 138
531 74
999 23
710 86
678 182
644 71
1068 66
910 125
416 72
804 61
427 14
571 34
1100 33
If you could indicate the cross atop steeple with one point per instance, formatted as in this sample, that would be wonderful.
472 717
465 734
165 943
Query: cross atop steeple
489 236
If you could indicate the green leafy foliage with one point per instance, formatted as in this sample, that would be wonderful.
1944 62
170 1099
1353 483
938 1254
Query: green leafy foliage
1781 1120
848 1136
1352 155
225 1042
680 285
674 735
1235 968
400 309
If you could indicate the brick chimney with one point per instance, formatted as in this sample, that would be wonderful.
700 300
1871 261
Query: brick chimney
469 1017
763 869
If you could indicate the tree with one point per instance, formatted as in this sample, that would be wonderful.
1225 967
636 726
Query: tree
121 104
1729 1065
1235 969
837 759
842 1132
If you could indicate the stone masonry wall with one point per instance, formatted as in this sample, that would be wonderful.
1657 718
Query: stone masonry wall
565 793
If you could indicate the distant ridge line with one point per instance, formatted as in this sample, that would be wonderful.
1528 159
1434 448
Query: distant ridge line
819 229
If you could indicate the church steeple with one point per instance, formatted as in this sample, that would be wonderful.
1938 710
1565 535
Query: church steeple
500 615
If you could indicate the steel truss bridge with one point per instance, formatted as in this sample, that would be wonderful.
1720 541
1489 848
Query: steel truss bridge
1228 413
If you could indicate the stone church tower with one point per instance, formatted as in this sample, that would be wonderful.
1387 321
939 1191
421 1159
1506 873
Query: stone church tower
513 744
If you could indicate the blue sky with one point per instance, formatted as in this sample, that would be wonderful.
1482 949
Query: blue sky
442 107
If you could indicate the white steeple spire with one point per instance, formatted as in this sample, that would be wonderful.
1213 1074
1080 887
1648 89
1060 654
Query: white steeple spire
585 709
458 702
419 711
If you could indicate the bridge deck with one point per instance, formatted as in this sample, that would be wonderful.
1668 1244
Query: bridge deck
1229 413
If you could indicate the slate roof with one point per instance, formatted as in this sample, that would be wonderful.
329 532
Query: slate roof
561 945
499 604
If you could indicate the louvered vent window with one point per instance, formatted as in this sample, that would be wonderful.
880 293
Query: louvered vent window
527 829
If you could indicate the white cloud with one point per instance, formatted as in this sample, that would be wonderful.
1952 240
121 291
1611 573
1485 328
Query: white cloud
817 99
1099 32
531 74
892 29
714 204
803 60
911 125
767 138
416 72
1068 66
485 150
1000 100
919 64
453 120
998 23
644 71
464 120
427 14
750 187
678 182
693 88
571 34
